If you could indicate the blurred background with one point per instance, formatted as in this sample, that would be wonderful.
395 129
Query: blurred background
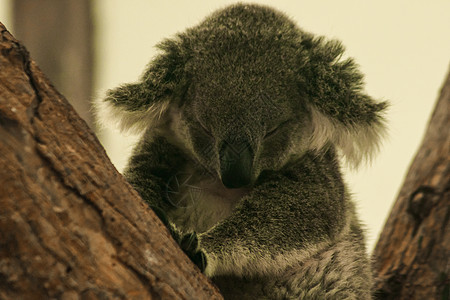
403 48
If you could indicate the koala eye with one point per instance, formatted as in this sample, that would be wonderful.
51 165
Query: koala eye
277 128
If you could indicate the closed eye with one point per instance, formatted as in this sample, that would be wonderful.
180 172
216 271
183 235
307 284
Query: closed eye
276 129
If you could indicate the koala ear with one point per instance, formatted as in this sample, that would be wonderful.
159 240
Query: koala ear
137 106
341 113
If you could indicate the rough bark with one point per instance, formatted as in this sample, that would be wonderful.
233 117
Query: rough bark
70 225
59 34
413 252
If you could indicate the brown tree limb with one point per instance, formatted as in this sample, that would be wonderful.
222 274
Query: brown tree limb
413 252
70 226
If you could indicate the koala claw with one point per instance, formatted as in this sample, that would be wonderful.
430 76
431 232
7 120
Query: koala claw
188 242
190 245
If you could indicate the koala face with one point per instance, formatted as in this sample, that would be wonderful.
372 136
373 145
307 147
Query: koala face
247 90
245 118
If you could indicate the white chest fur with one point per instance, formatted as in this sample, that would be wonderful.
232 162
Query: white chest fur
200 200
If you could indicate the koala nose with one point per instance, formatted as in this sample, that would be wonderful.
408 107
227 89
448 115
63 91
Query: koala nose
236 162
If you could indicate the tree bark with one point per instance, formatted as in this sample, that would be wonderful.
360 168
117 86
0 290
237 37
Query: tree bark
70 225
413 252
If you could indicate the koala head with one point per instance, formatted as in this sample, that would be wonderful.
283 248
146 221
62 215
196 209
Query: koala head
246 91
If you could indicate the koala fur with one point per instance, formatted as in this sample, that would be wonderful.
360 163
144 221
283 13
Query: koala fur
244 119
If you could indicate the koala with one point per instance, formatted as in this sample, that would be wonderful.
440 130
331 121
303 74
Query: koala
245 120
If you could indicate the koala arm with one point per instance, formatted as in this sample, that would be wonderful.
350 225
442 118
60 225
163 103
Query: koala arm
153 162
290 214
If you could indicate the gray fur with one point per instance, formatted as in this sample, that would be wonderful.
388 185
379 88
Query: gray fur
243 117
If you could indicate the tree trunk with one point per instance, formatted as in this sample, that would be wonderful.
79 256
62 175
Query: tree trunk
413 252
70 225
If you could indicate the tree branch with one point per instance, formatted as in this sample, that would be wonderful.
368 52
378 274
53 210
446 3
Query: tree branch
413 252
70 225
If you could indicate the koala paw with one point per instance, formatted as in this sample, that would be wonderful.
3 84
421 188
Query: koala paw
188 242
190 245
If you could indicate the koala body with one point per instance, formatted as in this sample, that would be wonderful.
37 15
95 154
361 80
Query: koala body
244 119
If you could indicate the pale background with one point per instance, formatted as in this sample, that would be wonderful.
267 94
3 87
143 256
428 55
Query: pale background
403 47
